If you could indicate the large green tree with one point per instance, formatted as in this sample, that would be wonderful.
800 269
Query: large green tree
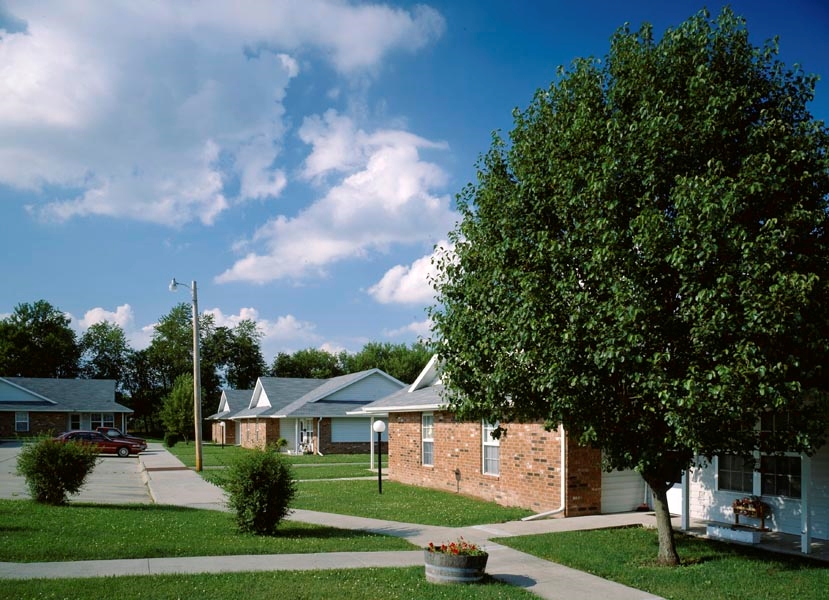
398 360
246 362
646 260
177 408
36 341
104 352
310 362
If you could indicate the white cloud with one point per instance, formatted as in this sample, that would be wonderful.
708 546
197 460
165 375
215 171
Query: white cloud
277 335
147 110
123 317
137 337
385 196
422 329
409 284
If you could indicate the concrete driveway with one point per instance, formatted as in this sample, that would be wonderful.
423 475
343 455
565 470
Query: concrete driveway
113 481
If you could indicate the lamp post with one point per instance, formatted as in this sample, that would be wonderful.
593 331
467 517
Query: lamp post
196 368
379 427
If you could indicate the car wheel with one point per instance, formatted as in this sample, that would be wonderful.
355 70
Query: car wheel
123 452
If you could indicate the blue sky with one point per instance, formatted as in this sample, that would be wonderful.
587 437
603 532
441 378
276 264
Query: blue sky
298 159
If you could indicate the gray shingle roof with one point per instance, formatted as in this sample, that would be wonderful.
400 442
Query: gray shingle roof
64 395
237 400
428 398
299 397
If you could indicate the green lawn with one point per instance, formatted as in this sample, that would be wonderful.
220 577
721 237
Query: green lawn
214 455
710 569
400 502
344 584
31 532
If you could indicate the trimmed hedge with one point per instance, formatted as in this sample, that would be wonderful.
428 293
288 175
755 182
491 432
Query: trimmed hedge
260 489
55 469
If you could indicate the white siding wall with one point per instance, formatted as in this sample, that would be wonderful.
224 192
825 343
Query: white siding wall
287 430
368 389
709 504
345 429
819 494
622 491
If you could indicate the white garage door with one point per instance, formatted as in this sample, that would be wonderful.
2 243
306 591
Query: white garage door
622 491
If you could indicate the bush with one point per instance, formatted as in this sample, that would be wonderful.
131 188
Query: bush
260 487
55 469
170 439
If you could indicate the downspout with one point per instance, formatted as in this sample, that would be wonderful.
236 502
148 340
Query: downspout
563 503
319 424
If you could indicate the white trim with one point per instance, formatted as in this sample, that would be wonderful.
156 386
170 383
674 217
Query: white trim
487 441
424 440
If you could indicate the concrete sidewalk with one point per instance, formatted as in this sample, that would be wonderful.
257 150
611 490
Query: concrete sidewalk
170 482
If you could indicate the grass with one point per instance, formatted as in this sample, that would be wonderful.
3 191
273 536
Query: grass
31 532
213 456
709 570
343 584
400 502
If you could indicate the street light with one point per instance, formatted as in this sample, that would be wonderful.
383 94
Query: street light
196 369
379 427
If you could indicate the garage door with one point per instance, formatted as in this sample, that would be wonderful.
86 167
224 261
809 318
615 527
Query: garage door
622 491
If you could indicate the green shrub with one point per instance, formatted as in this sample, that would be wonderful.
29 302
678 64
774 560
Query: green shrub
170 439
260 487
55 469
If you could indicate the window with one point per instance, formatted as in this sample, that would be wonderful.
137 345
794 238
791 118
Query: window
427 436
735 473
491 450
75 421
102 420
780 476
21 421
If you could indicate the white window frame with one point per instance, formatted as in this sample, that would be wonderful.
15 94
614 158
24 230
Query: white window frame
21 422
101 420
427 436
759 476
75 421
490 465
720 486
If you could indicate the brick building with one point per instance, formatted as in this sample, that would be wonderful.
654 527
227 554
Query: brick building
528 466
32 406
311 415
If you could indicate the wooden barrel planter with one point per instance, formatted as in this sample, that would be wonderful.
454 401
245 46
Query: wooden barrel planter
454 568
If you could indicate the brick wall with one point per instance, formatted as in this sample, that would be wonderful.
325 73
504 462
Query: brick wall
229 433
39 423
258 433
529 476
584 480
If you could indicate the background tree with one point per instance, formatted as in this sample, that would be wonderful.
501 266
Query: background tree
144 389
104 352
398 360
36 341
647 262
171 348
311 363
246 362
177 408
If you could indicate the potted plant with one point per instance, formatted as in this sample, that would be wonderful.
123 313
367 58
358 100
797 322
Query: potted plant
455 562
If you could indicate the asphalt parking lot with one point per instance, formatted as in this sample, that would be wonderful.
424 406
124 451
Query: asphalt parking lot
113 481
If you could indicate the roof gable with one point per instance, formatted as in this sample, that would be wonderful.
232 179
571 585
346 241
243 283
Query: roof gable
425 394
64 395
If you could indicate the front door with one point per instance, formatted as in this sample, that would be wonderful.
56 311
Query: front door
306 436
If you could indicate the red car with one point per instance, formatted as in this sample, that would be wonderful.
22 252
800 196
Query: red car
117 434
105 444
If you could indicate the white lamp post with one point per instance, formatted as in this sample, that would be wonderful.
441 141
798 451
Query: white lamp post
379 427
196 369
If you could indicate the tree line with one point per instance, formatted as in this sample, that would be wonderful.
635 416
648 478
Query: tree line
36 340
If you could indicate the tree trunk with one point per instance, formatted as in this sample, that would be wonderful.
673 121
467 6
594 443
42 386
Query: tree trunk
667 545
